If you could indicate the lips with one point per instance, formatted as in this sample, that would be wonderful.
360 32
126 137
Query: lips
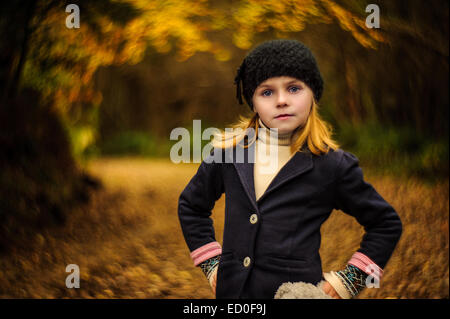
283 115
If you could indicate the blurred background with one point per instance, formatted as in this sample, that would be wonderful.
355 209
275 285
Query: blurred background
86 114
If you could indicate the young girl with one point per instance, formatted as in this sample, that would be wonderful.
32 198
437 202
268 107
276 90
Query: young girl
273 216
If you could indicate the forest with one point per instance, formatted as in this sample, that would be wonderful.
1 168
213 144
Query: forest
89 97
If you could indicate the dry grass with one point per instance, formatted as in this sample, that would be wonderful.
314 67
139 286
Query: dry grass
419 266
128 242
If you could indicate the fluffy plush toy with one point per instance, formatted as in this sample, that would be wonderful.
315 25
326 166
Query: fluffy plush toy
301 290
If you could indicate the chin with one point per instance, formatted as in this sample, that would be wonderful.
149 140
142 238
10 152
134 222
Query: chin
286 129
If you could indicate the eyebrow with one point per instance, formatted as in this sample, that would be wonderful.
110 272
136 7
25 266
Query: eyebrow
290 82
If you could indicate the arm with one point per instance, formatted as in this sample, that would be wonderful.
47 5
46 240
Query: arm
381 223
209 268
346 283
194 210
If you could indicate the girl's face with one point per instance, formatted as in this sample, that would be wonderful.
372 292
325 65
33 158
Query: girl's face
283 102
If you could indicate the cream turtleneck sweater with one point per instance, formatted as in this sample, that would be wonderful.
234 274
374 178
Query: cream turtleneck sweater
271 154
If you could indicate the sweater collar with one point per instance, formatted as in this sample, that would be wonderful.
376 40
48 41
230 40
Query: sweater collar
267 138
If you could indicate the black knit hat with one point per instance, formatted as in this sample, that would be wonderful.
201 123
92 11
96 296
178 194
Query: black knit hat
277 58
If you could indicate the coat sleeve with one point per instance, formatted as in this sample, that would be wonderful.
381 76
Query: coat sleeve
195 206
381 222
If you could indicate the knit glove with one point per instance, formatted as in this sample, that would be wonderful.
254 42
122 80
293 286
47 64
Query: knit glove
209 267
348 283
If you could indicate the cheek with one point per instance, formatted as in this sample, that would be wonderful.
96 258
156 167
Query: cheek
303 105
262 107
265 116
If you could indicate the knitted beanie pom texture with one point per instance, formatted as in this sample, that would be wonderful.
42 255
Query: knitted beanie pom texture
277 58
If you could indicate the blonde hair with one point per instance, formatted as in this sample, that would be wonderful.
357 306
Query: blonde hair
316 134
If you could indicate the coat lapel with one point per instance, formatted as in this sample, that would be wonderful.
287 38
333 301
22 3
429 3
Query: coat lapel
245 170
300 163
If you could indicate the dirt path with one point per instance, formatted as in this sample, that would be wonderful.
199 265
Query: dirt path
128 243
148 255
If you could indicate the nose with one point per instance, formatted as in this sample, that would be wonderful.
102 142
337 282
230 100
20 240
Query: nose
282 99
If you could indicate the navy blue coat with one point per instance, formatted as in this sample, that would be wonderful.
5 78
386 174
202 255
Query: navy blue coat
282 242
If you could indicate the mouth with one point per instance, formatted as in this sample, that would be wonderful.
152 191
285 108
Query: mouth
283 116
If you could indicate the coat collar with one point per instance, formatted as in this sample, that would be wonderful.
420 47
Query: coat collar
300 163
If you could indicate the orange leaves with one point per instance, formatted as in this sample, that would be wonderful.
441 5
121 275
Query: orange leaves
183 21
282 16
355 24
71 56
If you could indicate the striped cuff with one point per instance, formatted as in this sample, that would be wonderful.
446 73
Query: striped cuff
205 252
366 264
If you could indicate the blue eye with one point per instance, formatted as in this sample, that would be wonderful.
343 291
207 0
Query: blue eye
294 87
267 91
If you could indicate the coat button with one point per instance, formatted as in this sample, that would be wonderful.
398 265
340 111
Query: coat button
246 261
253 218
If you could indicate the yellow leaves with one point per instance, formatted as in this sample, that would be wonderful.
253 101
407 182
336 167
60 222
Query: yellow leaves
374 33
286 16
276 6
183 26
222 55
250 13
242 40
183 21
313 9
282 16
184 275
82 137
108 293
356 25
343 16
297 25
